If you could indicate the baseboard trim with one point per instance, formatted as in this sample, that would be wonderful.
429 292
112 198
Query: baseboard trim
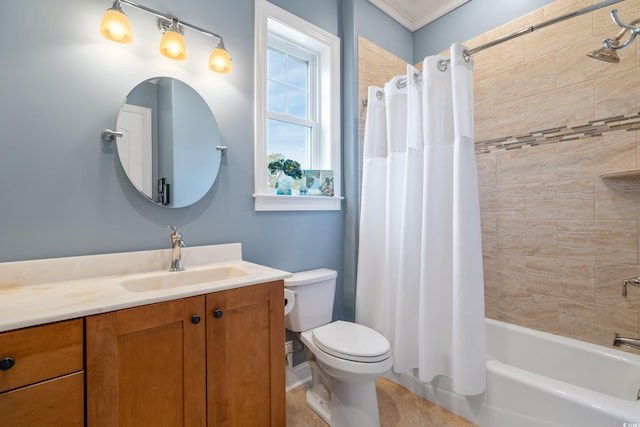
298 375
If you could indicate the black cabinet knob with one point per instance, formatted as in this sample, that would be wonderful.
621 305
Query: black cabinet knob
217 313
195 319
7 363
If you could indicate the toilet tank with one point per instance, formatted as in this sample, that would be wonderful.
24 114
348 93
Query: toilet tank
314 292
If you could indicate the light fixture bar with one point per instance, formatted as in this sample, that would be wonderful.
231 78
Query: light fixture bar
171 18
116 27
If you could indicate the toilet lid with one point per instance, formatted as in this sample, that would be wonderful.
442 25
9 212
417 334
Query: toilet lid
351 341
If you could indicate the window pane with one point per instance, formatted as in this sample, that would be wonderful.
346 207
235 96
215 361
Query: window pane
290 140
297 103
277 65
298 72
277 97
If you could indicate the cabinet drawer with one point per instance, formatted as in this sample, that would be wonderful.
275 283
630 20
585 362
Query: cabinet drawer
41 353
53 403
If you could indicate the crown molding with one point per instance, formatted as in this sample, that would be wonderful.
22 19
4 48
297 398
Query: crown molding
415 14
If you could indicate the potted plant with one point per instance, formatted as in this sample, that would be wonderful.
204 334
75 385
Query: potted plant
281 172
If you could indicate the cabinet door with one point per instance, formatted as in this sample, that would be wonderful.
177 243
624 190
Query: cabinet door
146 366
245 357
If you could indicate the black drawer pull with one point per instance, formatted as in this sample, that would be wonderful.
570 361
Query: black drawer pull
7 363
195 319
217 313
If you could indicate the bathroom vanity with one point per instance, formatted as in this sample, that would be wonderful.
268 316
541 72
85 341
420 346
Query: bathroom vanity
140 345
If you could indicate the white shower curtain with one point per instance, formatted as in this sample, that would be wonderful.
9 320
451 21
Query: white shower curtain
420 279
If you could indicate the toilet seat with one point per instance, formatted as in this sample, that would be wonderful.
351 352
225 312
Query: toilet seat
352 341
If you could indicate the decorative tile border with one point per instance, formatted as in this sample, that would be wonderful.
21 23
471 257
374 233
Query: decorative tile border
562 133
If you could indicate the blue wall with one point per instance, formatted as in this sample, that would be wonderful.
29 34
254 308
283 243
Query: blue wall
62 190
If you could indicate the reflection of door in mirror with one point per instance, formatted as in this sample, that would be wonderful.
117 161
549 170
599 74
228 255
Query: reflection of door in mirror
135 146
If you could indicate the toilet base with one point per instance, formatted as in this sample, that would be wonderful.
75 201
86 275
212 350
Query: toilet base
319 405
350 404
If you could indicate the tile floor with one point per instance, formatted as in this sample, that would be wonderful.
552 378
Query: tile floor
398 408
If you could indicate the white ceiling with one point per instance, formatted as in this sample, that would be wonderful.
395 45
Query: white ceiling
414 14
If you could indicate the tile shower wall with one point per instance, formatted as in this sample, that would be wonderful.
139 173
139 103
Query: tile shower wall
557 238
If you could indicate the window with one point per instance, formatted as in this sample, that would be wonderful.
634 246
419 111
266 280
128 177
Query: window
297 106
292 120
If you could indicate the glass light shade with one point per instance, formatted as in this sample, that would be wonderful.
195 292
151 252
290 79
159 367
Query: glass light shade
220 61
173 46
115 26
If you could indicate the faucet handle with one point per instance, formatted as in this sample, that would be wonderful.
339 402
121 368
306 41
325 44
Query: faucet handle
633 281
176 236
174 232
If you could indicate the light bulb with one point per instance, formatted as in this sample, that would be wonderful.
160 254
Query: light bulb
173 46
115 26
219 60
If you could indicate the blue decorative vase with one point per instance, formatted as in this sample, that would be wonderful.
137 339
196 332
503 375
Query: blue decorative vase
283 186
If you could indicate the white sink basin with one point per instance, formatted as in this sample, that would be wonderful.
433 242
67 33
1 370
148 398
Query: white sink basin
175 279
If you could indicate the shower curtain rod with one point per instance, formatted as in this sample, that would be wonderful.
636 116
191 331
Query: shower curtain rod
445 62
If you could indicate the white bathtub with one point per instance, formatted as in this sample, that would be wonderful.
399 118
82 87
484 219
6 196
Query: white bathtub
536 379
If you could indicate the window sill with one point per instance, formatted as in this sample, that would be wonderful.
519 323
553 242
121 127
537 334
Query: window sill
269 202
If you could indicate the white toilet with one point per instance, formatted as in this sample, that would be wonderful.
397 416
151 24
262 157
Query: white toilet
345 358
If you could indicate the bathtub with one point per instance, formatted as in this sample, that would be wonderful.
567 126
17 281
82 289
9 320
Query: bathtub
536 379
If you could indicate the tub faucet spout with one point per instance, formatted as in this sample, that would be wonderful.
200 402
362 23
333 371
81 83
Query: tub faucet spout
176 244
629 342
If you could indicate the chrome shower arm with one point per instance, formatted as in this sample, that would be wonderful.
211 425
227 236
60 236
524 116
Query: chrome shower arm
615 42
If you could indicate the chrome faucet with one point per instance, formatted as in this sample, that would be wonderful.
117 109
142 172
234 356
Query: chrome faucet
176 244
634 281
630 342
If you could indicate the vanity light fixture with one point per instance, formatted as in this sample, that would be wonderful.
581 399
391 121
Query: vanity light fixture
115 26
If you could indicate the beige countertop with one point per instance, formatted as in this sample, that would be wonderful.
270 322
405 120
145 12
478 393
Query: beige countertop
42 291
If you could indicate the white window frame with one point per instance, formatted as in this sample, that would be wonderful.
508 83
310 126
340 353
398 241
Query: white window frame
270 19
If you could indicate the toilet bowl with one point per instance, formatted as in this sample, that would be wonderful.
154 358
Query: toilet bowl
345 358
350 399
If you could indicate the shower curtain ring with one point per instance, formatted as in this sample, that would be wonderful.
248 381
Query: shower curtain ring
443 64
465 55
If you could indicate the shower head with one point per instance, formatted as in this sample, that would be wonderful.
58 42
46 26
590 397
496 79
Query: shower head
608 53
611 45
605 54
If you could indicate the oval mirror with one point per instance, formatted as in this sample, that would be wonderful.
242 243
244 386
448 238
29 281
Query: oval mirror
169 141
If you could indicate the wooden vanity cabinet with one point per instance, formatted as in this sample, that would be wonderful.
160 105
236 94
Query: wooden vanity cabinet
41 376
170 364
245 357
